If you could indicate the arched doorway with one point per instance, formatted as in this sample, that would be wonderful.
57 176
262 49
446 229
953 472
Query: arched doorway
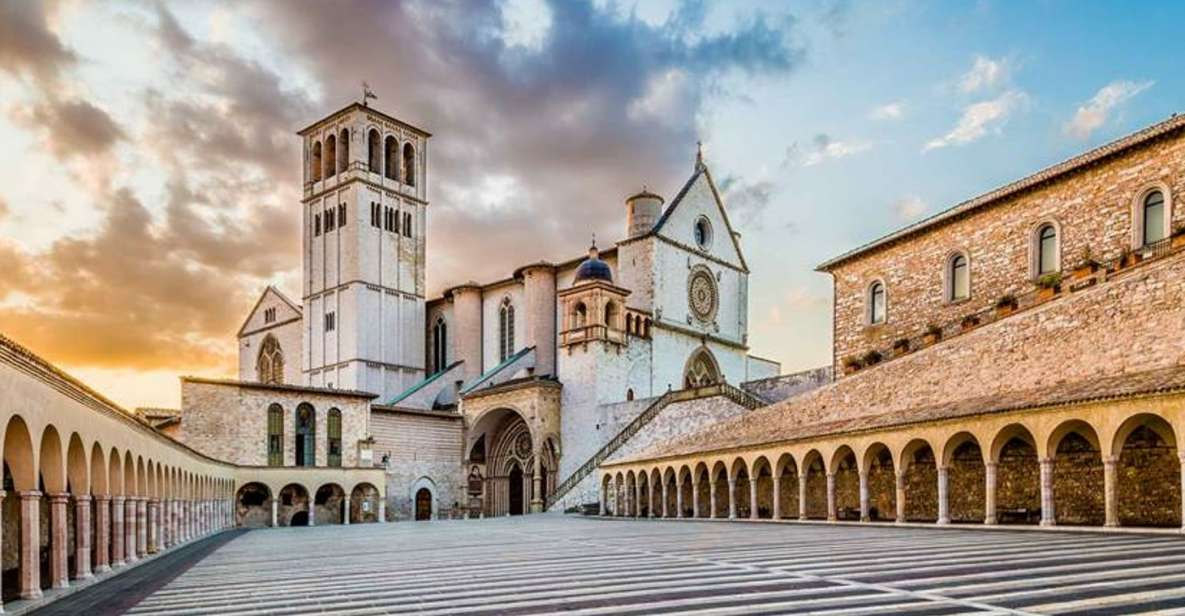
701 369
515 479
423 504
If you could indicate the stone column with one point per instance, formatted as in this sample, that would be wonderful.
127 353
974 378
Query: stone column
694 500
802 496
865 516
312 510
30 573
600 505
117 540
732 498
1110 490
537 484
712 498
989 508
777 498
678 500
1180 455
900 487
174 522
753 499
943 495
129 530
665 494
650 500
1048 517
142 526
275 513
153 526
82 536
383 511
831 513
58 574
102 533
346 511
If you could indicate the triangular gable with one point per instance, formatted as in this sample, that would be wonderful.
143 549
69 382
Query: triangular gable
701 182
296 311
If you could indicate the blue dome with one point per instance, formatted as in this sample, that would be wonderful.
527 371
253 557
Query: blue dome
594 268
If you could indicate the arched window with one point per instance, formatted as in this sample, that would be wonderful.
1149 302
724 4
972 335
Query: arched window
610 315
439 345
374 151
409 165
343 151
1047 250
330 156
333 425
316 162
958 278
269 367
629 394
306 435
1154 226
876 303
506 330
701 369
275 435
391 152
579 316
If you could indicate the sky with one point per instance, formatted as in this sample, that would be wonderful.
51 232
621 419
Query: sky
149 170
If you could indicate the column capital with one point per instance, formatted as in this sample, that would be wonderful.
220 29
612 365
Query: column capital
102 498
29 494
1110 460
59 497
1181 456
82 498
991 464
1046 460
117 499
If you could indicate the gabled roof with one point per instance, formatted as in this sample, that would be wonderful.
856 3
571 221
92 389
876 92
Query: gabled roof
701 169
283 298
1048 174
422 384
492 372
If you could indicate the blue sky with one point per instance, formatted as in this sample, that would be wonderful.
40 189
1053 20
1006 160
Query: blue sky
149 180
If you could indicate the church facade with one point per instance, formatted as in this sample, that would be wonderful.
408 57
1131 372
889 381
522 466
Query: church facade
488 397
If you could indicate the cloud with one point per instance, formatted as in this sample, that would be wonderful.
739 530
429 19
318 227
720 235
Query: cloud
746 201
890 111
1093 113
825 148
909 208
980 118
72 128
4 210
27 46
985 74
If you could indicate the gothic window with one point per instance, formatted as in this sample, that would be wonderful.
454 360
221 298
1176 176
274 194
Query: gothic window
330 156
341 215
306 432
701 370
374 152
269 367
334 441
1047 250
506 330
391 152
409 165
439 345
343 155
958 278
876 303
1154 228
316 162
275 435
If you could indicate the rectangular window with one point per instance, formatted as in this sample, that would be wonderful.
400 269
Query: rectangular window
269 315
407 224
330 321
1154 222
394 217
330 224
341 215
317 224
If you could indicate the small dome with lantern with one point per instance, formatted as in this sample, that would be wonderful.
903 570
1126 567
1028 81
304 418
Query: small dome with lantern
593 268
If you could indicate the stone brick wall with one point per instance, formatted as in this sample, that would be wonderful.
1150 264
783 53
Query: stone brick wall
778 388
422 451
1093 209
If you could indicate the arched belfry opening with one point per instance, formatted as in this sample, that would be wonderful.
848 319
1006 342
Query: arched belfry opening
701 369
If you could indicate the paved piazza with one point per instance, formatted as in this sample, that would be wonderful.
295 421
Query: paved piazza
551 564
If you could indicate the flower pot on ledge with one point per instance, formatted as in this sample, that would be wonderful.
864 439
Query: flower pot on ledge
931 338
1085 270
1047 293
970 322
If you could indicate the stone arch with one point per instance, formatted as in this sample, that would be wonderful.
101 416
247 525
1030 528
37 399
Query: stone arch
719 494
1147 472
644 495
669 493
77 467
607 493
329 504
920 470
786 471
1078 491
98 470
881 471
701 369
409 164
130 482
374 151
764 477
631 493
702 484
293 507
53 465
845 472
364 503
741 477
315 163
420 487
683 480
966 478
253 505
19 454
1018 475
330 156
115 472
815 472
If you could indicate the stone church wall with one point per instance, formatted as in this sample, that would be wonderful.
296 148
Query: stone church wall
1093 209
422 450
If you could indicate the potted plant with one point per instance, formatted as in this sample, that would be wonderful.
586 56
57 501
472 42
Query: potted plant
1049 285
970 321
932 334
1129 257
872 358
852 364
901 347
1087 266
1006 305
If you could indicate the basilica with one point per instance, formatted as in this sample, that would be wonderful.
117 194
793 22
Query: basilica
488 398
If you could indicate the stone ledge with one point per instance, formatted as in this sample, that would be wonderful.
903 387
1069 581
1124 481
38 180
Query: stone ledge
1099 530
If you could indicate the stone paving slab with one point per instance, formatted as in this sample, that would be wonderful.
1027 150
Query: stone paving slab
547 564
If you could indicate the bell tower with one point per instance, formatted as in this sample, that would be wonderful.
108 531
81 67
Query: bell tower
364 208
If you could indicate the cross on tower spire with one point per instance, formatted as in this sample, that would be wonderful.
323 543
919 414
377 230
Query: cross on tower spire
699 156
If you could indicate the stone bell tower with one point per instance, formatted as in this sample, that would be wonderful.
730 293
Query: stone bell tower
364 206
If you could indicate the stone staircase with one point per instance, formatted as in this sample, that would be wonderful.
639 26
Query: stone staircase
734 394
